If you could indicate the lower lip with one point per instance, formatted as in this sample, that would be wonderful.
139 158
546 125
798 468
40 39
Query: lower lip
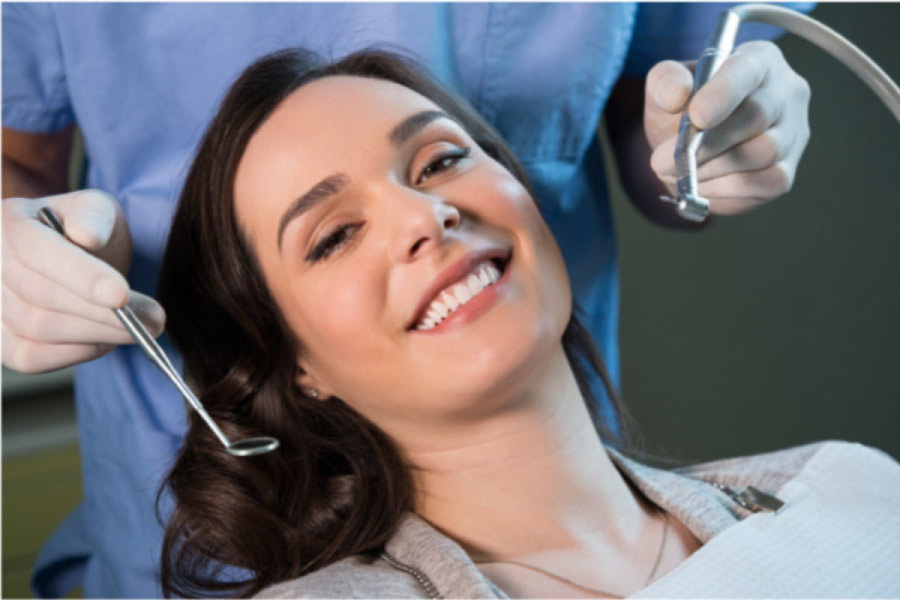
474 308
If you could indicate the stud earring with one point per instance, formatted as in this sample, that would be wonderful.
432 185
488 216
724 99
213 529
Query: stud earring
313 393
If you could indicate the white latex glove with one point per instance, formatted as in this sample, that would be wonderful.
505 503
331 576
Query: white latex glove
58 296
755 113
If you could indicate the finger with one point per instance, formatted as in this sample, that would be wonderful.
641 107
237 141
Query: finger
88 216
662 160
669 85
761 152
43 293
753 188
731 207
45 325
26 356
740 74
149 312
50 327
756 114
42 250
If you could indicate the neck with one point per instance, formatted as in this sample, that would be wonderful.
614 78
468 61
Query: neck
529 480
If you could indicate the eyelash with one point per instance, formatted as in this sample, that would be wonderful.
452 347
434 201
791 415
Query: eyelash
338 237
455 155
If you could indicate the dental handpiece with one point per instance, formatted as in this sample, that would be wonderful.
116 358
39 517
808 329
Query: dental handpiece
245 447
689 204
688 201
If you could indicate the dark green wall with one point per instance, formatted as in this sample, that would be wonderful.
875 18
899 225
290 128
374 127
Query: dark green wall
782 326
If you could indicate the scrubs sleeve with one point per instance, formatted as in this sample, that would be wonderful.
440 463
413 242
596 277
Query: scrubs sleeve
680 31
35 93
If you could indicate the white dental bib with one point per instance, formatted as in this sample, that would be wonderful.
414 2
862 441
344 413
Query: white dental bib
838 536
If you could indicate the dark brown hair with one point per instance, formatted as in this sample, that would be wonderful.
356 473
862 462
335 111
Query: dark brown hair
337 486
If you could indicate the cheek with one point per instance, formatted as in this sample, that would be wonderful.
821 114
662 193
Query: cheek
335 315
513 207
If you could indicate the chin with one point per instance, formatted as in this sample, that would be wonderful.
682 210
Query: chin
500 366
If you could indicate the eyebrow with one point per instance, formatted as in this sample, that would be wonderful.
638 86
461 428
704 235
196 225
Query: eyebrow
329 186
410 126
333 184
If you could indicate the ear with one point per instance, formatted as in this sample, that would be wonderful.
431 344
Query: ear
311 385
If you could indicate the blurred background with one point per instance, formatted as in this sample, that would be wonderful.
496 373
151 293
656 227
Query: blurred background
764 331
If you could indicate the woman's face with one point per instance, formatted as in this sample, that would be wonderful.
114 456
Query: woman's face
364 205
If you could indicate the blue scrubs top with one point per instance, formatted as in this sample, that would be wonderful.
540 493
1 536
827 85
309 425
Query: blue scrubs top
143 80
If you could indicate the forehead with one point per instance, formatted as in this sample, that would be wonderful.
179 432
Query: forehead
336 109
328 125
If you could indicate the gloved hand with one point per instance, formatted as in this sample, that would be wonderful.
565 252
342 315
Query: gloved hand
58 296
755 113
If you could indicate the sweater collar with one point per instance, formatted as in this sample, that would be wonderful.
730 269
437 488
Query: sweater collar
419 545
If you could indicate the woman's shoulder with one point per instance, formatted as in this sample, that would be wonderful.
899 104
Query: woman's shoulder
352 577
710 497
771 470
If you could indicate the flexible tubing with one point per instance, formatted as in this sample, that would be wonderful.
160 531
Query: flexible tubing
832 42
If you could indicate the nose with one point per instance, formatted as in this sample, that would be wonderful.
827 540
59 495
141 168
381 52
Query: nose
421 221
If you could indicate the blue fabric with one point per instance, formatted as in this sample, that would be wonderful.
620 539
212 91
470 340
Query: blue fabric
682 28
143 80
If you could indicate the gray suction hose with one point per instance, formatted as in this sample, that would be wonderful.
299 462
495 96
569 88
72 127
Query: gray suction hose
831 42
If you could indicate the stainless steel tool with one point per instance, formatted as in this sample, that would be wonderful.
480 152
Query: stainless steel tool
691 205
245 447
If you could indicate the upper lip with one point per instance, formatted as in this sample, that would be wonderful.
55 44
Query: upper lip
452 274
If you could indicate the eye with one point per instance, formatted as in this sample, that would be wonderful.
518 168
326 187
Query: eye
443 162
338 238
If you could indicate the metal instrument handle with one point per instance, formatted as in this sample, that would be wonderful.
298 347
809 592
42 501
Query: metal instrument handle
689 203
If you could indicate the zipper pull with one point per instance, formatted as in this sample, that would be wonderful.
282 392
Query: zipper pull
753 499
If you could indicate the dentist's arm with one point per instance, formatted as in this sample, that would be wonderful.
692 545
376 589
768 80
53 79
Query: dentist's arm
57 293
755 111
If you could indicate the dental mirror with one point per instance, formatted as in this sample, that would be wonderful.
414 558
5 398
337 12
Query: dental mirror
245 447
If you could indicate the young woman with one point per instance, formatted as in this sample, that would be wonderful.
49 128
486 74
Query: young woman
358 267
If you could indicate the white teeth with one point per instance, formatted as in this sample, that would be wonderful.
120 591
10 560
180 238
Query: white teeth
450 300
484 276
440 308
493 272
455 296
474 284
462 292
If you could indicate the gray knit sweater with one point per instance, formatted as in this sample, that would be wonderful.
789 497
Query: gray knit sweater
420 562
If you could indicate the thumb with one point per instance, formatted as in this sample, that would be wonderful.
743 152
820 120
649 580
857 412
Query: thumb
669 85
149 311
95 221
88 216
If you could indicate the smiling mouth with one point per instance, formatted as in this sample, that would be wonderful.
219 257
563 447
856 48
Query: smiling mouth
467 291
